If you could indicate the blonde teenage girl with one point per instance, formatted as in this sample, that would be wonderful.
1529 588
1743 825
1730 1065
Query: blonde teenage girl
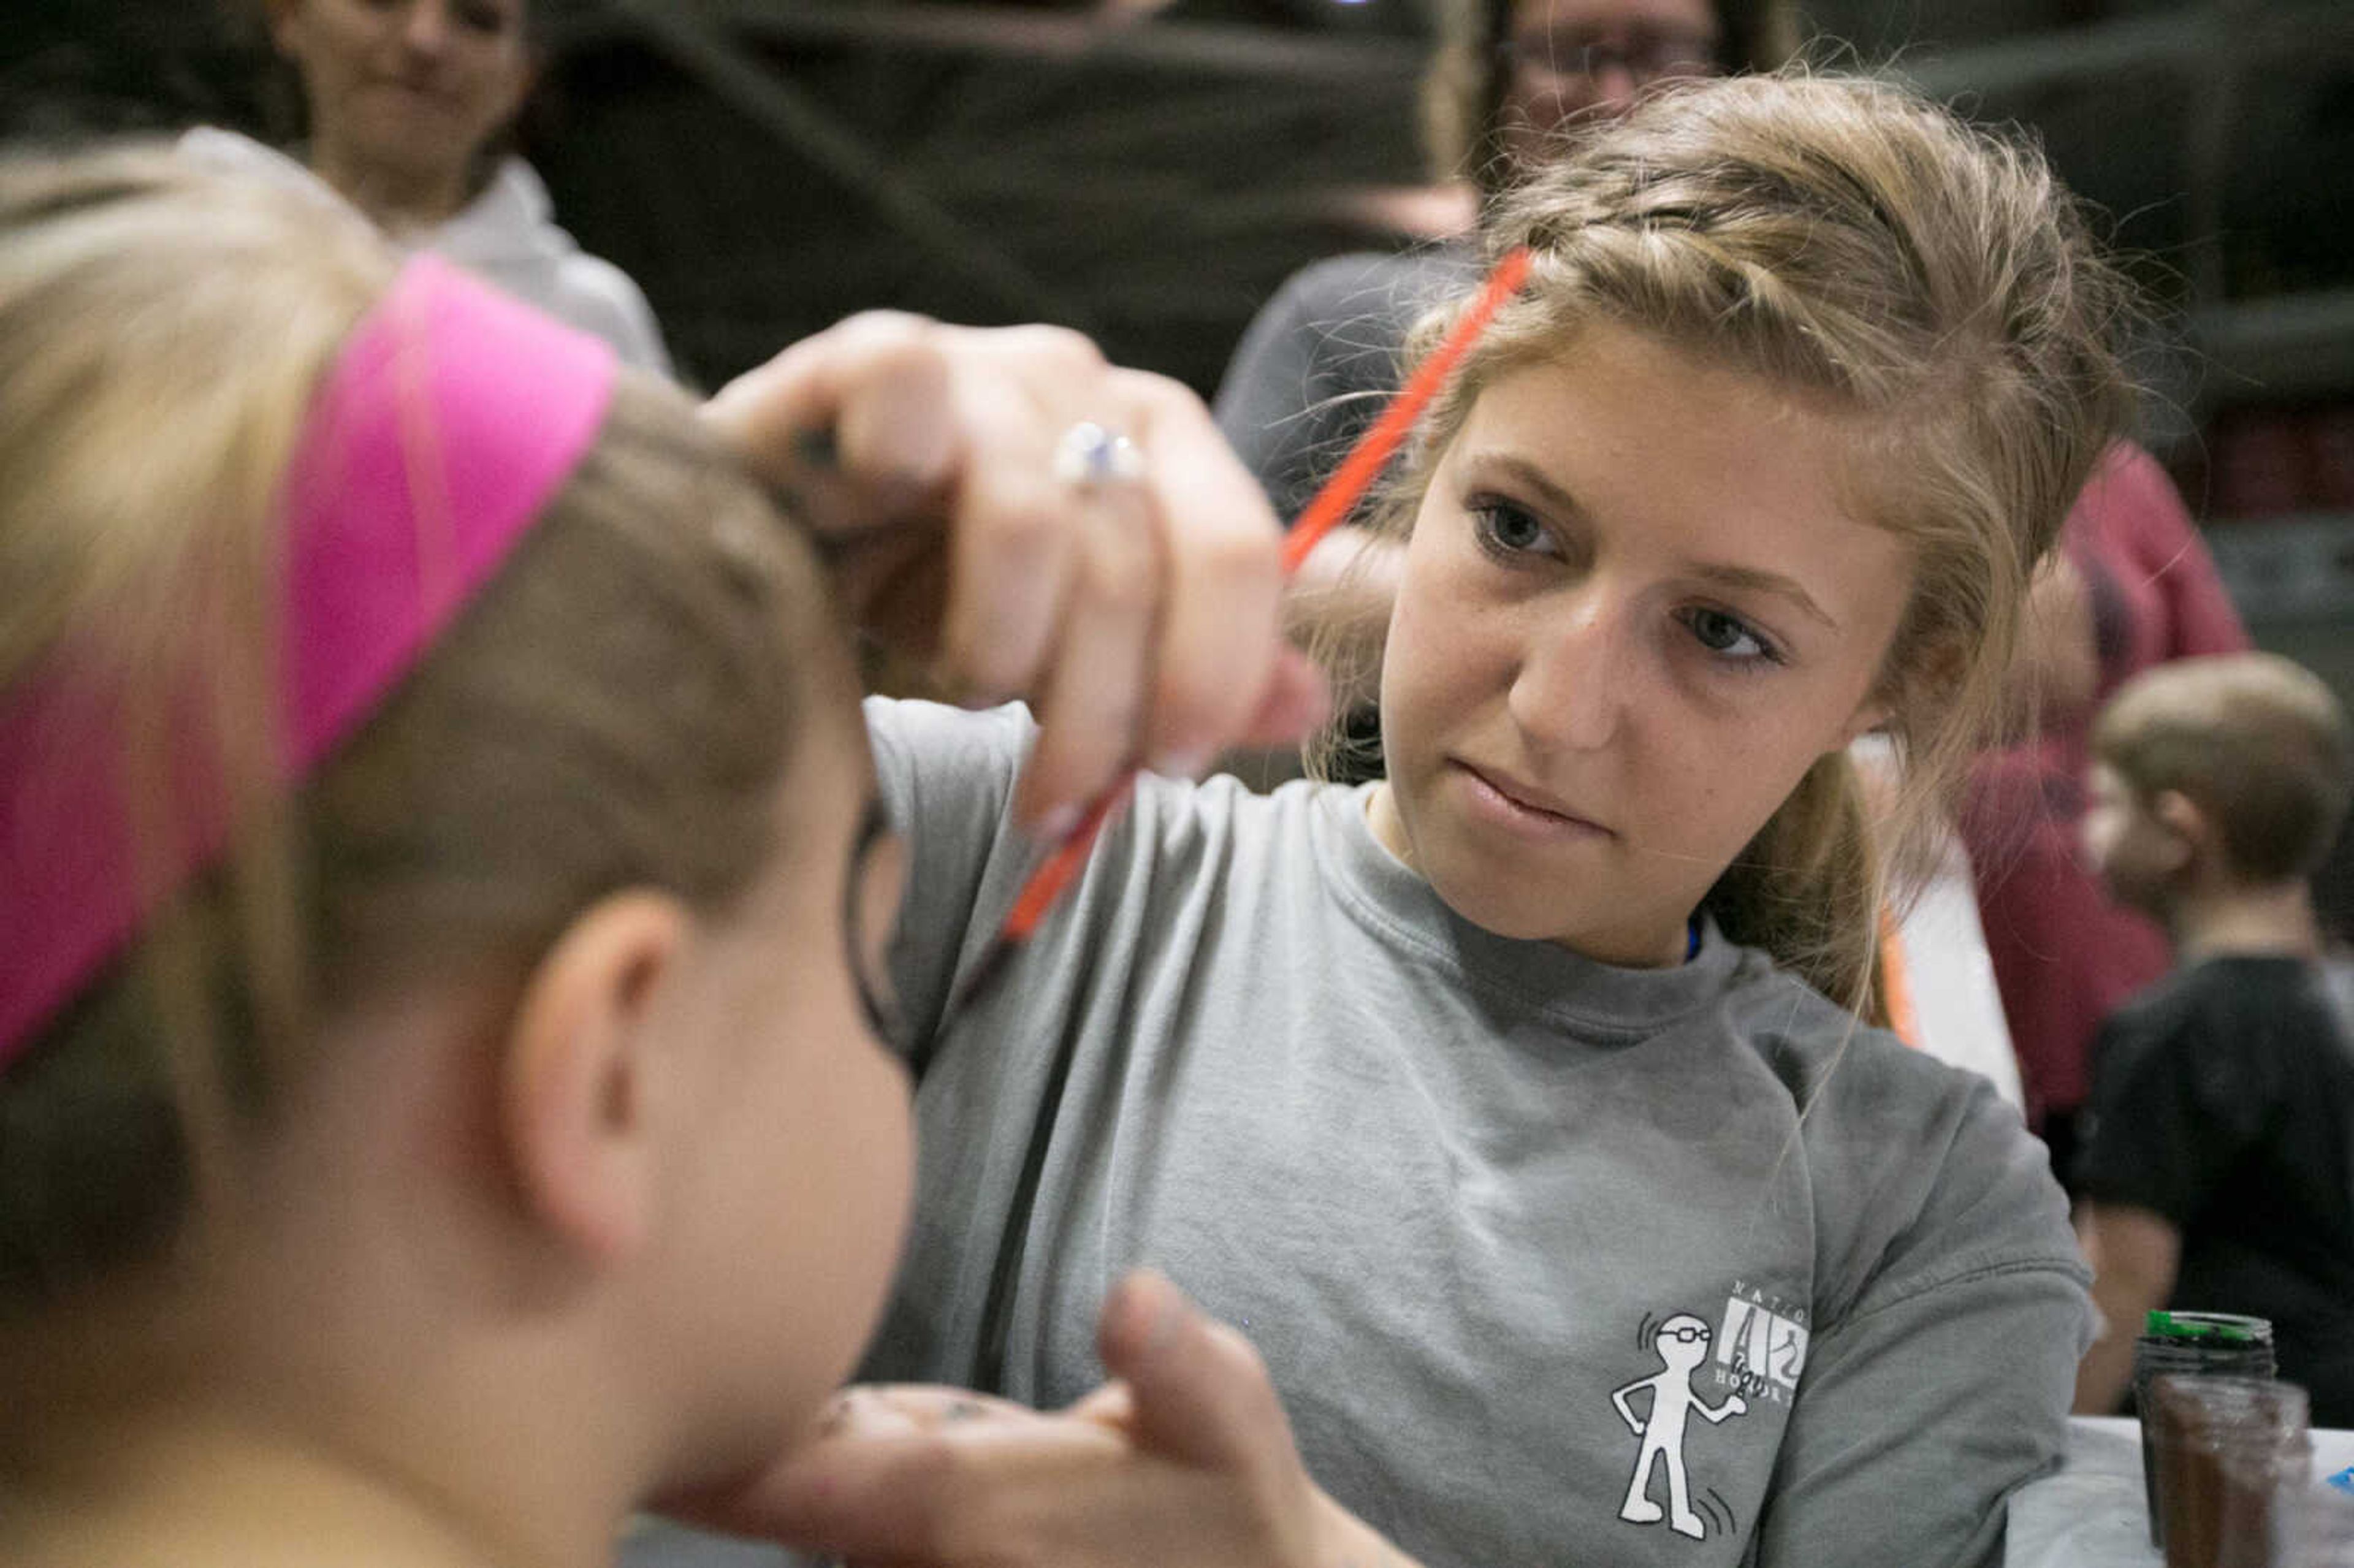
1517 1105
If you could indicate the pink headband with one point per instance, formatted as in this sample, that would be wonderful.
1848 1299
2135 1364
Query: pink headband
450 417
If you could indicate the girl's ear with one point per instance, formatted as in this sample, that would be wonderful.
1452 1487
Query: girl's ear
1930 678
580 1067
1889 695
1869 716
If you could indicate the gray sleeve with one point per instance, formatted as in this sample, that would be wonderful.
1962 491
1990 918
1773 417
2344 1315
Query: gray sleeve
1945 1386
1309 373
947 778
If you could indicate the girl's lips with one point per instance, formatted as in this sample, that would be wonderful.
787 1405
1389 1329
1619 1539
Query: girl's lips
1499 803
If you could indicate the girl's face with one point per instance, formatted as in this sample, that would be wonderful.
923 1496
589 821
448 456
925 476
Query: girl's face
1635 609
413 86
792 1198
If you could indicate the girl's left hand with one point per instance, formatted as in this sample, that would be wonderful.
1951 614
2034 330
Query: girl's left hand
1186 1459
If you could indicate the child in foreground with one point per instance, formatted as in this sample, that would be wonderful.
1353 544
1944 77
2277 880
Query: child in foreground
396 1076
2215 1170
443 889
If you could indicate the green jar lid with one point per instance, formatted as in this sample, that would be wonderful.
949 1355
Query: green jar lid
2221 1326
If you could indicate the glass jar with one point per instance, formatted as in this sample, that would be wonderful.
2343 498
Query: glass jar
2192 1344
2197 1425
2264 1487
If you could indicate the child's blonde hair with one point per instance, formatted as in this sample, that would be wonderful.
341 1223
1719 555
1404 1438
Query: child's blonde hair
1846 240
616 709
2256 742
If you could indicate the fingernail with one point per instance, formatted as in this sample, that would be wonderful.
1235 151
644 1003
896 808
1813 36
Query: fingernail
1181 763
1056 824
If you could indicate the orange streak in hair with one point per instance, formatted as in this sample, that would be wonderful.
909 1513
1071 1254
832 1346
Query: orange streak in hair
1896 983
1337 497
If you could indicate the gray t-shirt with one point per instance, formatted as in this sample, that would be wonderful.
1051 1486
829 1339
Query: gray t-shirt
1553 1263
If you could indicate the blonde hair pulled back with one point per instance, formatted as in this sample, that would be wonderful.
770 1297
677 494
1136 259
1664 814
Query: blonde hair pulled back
1849 242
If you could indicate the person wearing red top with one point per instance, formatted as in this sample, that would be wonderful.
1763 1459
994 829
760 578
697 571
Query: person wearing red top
2065 954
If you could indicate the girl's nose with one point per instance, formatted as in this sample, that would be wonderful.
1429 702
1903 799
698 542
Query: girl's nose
1572 686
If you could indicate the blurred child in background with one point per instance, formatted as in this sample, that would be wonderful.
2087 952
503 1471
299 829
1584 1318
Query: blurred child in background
2133 587
2218 1165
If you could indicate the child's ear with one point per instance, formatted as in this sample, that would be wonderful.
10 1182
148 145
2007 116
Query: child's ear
2183 820
579 1070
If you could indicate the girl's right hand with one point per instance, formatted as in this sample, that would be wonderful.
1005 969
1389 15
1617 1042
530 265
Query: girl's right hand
1139 615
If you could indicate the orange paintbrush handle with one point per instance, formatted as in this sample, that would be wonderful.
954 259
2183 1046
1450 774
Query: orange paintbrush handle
1333 501
1339 494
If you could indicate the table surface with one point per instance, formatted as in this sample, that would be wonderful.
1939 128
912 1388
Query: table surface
2091 1514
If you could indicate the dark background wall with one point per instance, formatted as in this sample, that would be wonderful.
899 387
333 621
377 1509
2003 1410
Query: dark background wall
764 167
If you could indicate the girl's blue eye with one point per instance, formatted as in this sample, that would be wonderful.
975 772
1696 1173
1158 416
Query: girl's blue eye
1503 529
1729 637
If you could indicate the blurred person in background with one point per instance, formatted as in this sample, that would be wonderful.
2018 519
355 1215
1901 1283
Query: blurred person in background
407 108
1508 77
2137 588
2221 1129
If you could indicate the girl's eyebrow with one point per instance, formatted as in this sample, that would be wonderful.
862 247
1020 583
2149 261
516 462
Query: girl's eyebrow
1758 580
1521 471
1722 573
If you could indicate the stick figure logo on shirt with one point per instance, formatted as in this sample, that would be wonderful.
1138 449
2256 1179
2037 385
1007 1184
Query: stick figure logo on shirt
1682 1344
